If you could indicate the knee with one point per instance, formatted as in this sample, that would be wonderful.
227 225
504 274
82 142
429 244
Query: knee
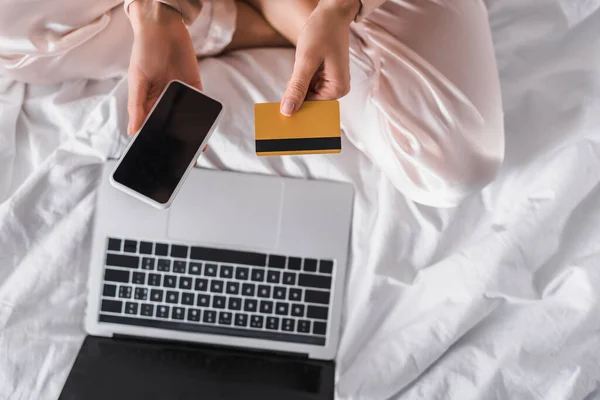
466 166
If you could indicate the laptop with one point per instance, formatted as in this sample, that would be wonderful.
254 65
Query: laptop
234 292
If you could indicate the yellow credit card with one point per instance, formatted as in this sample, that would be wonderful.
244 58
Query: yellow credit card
315 129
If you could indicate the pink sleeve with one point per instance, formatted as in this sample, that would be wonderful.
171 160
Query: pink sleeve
189 9
367 6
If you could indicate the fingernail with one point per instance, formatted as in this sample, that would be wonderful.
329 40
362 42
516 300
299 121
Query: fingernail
287 108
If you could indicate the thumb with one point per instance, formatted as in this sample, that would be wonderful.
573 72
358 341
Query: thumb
138 95
304 70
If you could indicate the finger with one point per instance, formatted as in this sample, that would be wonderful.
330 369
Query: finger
304 70
136 105
334 88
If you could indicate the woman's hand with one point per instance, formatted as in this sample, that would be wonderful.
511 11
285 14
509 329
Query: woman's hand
322 66
162 51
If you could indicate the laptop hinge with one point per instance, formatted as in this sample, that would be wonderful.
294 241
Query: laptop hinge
208 346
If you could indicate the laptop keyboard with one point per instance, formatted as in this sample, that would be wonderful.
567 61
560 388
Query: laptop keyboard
216 291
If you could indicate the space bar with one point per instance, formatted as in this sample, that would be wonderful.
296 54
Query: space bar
214 330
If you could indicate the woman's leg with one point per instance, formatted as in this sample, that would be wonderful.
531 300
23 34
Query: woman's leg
286 17
253 30
425 103
101 48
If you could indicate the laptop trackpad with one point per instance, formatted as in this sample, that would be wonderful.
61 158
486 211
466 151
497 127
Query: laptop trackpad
227 209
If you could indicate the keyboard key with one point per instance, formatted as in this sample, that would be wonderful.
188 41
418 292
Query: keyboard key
139 278
187 298
179 251
210 270
258 275
145 248
266 307
122 260
282 308
248 289
273 276
195 268
185 283
161 249
289 278
233 288
154 279
279 293
276 261
242 273
125 292
326 267
148 263
294 263
109 290
179 267
288 325
235 303
203 300
264 291
172 297
303 326
241 320
228 256
178 313
201 284
130 246
131 308
216 286
147 310
298 310
114 244
113 306
164 265
315 312
256 321
316 296
219 302
314 281
310 265
170 281
193 315
226 271
319 328
141 294
162 311
273 323
225 318
156 295
250 305
295 295
210 317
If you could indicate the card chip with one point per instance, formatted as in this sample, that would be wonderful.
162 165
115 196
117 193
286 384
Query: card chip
315 129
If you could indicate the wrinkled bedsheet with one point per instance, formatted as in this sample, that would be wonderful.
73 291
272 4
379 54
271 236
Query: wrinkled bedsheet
496 299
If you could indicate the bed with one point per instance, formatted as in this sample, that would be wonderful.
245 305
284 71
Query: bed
495 299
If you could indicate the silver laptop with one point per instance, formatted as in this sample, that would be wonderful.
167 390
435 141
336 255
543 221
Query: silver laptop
244 262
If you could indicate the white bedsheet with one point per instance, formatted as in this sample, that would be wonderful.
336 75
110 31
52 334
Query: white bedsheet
496 299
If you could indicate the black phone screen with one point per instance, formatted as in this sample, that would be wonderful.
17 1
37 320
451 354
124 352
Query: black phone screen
167 144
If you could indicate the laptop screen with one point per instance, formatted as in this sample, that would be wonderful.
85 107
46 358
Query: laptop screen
135 369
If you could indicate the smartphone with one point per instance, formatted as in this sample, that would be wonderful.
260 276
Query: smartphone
165 149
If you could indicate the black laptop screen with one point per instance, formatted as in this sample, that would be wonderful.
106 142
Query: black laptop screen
126 369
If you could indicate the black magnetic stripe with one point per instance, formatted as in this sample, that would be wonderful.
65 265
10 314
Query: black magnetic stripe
214 330
303 144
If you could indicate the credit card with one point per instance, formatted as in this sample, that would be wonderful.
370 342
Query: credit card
315 129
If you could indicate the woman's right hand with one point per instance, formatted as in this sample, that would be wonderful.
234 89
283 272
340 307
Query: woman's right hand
162 51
